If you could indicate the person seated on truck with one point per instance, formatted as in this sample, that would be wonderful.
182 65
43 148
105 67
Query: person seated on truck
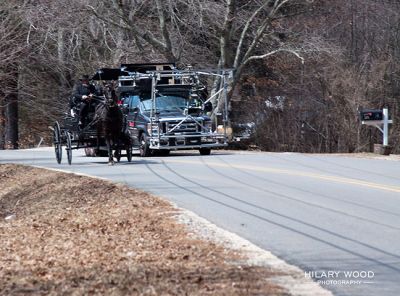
82 93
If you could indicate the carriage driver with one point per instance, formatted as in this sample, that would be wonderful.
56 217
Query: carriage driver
82 93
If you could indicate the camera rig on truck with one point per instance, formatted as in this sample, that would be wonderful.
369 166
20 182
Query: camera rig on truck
169 109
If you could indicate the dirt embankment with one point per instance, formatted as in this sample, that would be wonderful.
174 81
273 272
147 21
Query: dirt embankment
75 235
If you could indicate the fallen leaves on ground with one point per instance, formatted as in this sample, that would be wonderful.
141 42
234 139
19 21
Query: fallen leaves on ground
74 235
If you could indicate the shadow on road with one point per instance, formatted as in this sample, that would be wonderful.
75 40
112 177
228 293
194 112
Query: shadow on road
289 228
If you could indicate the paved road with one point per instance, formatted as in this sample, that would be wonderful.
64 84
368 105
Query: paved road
324 214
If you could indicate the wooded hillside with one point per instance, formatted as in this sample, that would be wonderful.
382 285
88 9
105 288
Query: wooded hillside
303 68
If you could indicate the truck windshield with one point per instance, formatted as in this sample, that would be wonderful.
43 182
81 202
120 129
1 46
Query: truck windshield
166 103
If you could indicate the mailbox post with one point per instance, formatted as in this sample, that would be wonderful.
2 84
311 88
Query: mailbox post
379 119
386 122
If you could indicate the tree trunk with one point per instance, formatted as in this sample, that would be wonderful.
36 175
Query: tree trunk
2 122
60 46
11 137
11 113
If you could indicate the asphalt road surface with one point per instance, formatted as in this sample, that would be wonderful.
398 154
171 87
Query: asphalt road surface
338 218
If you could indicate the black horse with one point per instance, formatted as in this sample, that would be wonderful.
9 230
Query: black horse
109 122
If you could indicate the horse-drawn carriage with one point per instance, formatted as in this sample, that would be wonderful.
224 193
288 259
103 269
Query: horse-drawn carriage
106 129
162 109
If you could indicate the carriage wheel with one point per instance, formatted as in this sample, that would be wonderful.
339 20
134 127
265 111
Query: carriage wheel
129 152
57 142
69 147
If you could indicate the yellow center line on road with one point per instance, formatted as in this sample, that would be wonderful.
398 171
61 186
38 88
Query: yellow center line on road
293 173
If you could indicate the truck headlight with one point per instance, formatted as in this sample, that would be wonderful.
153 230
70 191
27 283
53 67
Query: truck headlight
207 126
152 128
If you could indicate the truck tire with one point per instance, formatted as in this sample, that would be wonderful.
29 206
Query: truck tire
205 151
163 152
101 153
144 146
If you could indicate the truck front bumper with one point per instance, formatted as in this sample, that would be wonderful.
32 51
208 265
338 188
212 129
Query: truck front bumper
188 141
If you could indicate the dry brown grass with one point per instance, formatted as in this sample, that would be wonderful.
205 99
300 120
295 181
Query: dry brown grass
74 235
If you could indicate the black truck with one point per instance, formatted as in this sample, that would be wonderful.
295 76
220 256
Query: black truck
168 109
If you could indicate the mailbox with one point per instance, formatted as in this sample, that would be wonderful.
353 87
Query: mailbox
371 115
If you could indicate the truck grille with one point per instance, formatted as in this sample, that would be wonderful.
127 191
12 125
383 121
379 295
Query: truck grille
186 127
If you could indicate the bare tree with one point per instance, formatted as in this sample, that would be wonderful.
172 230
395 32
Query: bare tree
319 61
11 50
250 30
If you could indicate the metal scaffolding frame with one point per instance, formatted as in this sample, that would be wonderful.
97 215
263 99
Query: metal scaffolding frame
193 78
